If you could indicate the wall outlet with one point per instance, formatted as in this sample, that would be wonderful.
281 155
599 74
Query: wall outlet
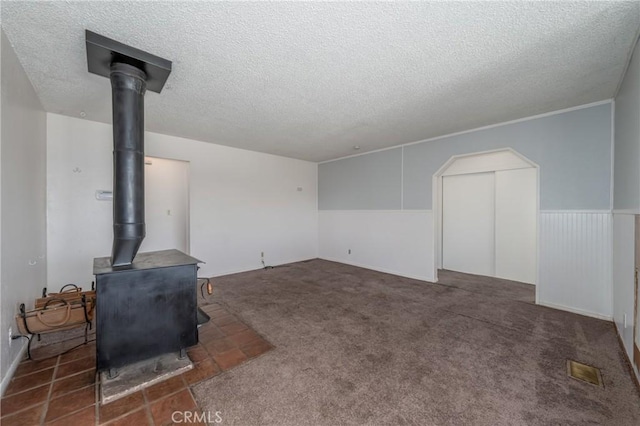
349 251
624 320
10 335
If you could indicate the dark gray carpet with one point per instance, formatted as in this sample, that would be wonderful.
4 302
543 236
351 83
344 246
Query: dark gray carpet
354 346
488 286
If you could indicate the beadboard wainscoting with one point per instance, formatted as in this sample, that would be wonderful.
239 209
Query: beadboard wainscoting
574 246
575 261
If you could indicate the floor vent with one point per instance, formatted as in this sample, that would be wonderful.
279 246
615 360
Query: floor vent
583 372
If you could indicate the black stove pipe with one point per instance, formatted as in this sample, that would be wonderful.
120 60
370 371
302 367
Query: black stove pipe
128 86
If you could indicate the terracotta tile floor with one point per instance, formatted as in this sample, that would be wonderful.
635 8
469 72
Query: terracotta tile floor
62 390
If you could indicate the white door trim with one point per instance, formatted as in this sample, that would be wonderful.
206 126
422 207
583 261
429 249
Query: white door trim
437 199
188 195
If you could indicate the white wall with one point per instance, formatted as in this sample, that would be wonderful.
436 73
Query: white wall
626 196
166 205
395 241
241 202
623 271
24 264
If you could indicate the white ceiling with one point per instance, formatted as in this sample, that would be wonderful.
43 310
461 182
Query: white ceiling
311 80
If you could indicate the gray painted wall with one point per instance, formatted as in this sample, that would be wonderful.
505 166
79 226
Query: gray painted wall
627 140
369 182
573 150
23 212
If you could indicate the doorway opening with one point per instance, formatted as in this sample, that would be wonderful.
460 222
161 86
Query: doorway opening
486 208
166 200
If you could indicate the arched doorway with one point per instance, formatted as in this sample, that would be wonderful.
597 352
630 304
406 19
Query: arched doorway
487 207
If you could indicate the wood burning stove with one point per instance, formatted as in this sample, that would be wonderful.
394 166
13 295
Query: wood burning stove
146 304
146 309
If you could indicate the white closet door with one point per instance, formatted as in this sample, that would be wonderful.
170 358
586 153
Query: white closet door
166 205
516 225
468 223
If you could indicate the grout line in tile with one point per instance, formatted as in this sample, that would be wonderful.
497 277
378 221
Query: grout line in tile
149 415
97 398
147 406
194 397
46 403
32 372
184 381
2 416
123 415
32 387
74 360
71 391
69 414
147 402
144 396
72 375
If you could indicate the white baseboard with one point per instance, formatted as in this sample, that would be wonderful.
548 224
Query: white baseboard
258 267
626 211
386 271
12 369
431 280
576 311
575 211
636 372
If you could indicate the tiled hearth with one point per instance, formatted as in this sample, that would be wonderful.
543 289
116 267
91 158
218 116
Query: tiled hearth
62 390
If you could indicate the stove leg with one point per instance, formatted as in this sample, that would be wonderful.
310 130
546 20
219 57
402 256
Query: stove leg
112 373
183 353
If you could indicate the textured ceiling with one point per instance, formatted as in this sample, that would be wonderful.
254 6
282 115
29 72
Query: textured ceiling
311 80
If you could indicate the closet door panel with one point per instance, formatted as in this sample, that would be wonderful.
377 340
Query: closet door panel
468 223
516 225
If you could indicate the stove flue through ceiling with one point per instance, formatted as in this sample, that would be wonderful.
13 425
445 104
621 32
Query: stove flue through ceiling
131 72
146 305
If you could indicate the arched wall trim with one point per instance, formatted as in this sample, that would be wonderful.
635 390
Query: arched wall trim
480 162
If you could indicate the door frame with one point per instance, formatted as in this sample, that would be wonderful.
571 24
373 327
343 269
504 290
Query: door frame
488 161
188 197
